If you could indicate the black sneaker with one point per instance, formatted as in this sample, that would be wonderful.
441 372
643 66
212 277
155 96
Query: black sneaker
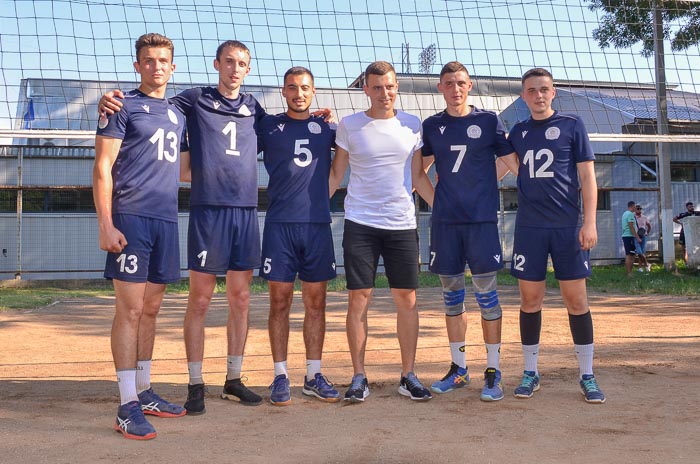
235 390
410 386
195 399
358 390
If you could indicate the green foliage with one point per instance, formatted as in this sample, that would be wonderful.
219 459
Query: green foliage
611 279
627 22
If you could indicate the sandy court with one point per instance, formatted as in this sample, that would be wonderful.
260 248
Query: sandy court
58 396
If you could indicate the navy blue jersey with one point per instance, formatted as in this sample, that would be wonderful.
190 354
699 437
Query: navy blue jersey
548 187
146 173
223 146
297 156
465 150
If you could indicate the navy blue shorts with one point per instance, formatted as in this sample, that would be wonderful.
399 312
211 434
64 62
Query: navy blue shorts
532 246
362 247
152 253
223 238
303 248
630 244
452 246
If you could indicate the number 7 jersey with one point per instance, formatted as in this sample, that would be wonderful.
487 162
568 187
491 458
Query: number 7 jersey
548 187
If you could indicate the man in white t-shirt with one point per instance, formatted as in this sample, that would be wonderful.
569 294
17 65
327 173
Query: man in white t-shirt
382 147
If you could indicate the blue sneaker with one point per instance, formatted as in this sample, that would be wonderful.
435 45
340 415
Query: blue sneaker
493 387
153 404
410 386
590 389
528 386
358 389
132 423
280 395
321 388
457 377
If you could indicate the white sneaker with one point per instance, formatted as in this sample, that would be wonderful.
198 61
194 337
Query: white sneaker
648 267
640 270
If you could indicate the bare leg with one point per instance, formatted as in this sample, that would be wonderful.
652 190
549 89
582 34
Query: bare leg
314 295
201 289
356 325
281 294
406 326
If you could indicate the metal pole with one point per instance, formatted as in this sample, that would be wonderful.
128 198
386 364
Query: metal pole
663 153
20 158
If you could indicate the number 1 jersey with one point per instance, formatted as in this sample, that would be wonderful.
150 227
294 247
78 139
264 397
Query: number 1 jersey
223 146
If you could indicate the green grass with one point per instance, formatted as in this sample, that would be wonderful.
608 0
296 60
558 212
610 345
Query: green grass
611 279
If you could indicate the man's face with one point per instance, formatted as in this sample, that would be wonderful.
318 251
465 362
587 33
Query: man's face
538 93
638 211
233 66
455 88
382 90
299 92
155 65
690 207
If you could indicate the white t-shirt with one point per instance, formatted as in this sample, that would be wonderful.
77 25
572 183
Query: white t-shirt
381 150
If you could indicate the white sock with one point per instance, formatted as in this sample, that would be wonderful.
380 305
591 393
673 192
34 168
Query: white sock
281 368
530 355
143 375
126 381
584 354
493 355
313 367
458 351
195 370
234 364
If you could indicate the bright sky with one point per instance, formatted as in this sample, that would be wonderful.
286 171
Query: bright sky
93 40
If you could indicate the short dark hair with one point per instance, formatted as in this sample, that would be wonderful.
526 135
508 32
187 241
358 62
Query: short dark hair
535 72
152 40
631 203
233 44
297 71
379 68
453 67
638 206
690 203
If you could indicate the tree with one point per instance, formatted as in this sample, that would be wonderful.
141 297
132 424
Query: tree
626 22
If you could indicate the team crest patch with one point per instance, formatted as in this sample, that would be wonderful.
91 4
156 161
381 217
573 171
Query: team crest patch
552 133
172 116
473 131
244 111
314 127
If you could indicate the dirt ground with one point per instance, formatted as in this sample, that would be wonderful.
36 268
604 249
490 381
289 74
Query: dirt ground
58 394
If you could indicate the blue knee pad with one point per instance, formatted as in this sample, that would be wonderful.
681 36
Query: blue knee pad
487 296
453 294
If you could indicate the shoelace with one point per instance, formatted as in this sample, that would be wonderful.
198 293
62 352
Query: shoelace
590 385
413 382
490 379
197 393
357 383
323 383
278 383
528 382
136 418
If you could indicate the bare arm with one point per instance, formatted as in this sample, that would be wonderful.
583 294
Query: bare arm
106 151
338 168
108 104
505 164
185 167
421 181
588 236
